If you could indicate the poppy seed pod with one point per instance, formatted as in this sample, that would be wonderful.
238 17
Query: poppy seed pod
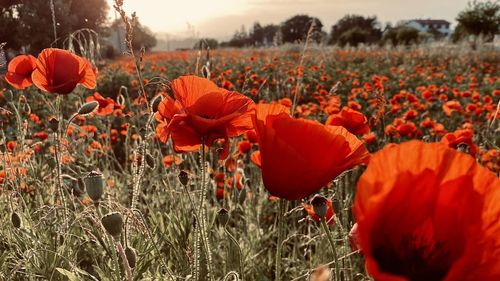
53 124
319 204
183 177
15 219
131 256
88 108
223 217
94 185
113 223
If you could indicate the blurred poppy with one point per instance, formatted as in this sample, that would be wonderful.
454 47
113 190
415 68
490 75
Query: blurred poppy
354 121
59 71
461 139
299 157
19 71
202 112
106 105
426 212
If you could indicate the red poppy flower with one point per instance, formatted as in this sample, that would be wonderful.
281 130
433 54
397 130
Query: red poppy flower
59 71
202 112
19 71
299 157
244 146
106 105
428 212
354 121
329 212
461 137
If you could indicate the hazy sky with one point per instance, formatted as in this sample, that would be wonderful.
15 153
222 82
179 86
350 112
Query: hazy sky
220 18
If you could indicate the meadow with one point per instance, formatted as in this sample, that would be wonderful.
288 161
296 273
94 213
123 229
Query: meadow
118 179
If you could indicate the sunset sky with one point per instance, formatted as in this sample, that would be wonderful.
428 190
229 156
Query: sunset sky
220 18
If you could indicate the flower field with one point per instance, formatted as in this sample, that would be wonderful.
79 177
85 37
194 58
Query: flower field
294 163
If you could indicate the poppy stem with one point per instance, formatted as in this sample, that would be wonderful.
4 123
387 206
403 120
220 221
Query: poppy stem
334 250
281 216
240 253
201 218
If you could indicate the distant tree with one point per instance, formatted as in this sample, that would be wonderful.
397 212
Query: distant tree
269 33
256 35
29 23
401 35
239 39
141 37
203 43
9 24
353 37
480 18
370 27
296 29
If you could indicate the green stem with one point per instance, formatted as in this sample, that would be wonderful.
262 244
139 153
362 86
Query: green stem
334 250
240 253
201 214
281 217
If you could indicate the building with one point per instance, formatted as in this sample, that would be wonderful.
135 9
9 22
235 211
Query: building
430 26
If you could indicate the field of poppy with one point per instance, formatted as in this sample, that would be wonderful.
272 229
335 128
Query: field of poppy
256 164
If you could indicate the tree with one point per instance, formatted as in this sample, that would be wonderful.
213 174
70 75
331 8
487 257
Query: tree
401 35
142 36
480 18
33 26
353 24
353 37
203 43
296 29
9 24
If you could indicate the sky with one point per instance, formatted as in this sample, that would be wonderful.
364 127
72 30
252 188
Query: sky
220 18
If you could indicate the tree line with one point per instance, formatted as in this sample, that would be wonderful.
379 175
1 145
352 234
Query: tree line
476 20
27 26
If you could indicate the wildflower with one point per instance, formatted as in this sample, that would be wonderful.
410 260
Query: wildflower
461 137
59 71
106 105
19 71
202 113
328 215
298 157
427 212
354 121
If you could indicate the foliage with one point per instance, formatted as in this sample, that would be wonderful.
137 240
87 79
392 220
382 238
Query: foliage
480 18
358 28
296 29
31 21
206 42
401 35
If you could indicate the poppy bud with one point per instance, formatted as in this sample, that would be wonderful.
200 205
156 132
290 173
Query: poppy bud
15 219
223 217
53 124
88 108
320 206
155 103
150 161
131 256
183 177
94 185
113 223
